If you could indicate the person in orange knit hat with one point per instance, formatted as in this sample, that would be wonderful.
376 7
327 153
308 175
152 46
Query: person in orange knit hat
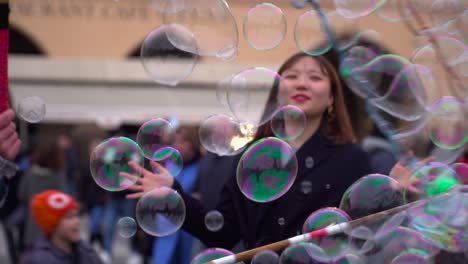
56 214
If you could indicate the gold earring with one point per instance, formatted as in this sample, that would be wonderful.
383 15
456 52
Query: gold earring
330 113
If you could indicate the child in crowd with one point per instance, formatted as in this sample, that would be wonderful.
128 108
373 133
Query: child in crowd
56 214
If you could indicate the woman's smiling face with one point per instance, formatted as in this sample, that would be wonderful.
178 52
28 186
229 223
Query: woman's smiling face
308 86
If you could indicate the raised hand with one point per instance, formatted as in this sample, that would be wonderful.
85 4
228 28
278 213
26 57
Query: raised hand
148 180
9 142
402 173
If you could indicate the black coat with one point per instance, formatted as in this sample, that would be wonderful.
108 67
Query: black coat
335 168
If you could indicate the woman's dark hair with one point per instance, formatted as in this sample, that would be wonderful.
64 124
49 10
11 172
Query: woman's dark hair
337 126
361 123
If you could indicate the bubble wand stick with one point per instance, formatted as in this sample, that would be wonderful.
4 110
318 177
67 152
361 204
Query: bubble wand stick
4 43
327 231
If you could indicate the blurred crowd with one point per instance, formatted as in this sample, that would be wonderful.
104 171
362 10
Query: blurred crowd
61 162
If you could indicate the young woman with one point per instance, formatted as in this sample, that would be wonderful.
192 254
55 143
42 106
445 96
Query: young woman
329 162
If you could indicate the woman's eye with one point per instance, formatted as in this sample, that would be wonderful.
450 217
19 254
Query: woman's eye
290 77
315 78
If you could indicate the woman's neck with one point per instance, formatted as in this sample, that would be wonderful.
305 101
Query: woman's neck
311 126
61 244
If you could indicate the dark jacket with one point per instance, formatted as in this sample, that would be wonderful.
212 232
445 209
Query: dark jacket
44 252
334 169
212 176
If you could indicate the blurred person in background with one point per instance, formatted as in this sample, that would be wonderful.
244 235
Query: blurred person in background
93 197
115 208
71 168
56 215
45 173
177 248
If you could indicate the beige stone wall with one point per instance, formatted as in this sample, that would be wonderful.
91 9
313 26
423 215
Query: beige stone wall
112 29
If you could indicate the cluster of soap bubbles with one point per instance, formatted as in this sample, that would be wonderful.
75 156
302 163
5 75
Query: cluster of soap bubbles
414 235
114 166
408 97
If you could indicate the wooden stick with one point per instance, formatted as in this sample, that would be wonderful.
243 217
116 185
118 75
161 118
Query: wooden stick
328 231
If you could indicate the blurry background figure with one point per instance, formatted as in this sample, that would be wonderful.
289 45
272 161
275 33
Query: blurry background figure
46 173
212 177
177 248
115 208
380 152
93 197
368 135
71 168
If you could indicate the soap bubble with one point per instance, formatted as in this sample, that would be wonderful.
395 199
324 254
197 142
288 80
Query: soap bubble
32 109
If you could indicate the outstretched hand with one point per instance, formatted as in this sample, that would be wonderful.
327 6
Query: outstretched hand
147 180
402 173
9 142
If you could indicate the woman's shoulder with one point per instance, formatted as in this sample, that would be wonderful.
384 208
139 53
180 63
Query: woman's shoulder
352 150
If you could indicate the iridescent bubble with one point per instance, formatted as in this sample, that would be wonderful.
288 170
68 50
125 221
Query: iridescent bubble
392 224
359 40
211 254
447 123
371 194
205 19
264 26
249 92
170 158
412 257
406 97
110 158
32 109
361 240
394 11
267 170
160 212
433 179
361 78
303 253
165 62
153 135
400 240
229 53
461 169
359 83
445 10
451 48
349 259
214 221
333 246
265 257
288 123
222 90
222 135
356 9
341 25
443 219
309 36
414 136
126 227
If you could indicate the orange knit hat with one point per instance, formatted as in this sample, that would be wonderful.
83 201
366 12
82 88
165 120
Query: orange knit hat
48 208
